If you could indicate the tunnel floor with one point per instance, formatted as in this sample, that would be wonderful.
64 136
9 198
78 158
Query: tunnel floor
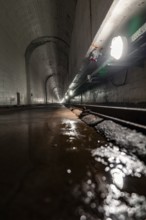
53 166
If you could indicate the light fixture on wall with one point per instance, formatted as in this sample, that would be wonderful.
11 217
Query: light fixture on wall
71 93
66 97
118 47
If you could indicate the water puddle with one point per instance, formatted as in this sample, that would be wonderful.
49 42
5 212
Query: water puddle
78 175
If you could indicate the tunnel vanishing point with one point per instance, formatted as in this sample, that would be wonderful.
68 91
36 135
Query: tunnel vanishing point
51 49
72 109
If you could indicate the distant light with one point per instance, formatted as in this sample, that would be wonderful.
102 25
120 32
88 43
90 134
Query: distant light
83 217
66 97
71 93
72 85
68 171
117 47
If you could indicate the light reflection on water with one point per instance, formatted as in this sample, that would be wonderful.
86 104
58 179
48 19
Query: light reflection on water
119 204
70 128
118 177
101 194
112 156
122 205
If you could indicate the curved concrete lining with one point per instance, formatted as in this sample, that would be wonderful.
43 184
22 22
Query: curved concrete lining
58 42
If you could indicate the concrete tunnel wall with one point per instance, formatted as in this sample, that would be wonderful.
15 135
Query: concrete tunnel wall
112 91
47 70
24 21
12 69
121 88
21 22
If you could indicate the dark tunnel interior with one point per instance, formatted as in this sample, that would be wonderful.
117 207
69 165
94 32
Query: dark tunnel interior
72 109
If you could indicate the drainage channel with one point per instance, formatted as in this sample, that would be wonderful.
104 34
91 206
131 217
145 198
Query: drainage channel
132 117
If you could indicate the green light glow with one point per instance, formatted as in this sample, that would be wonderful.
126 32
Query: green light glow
103 71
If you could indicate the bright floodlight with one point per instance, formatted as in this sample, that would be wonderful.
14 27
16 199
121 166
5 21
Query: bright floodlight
117 47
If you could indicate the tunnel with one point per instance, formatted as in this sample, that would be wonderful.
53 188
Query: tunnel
73 109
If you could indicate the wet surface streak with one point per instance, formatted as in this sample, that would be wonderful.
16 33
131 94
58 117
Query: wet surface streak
55 167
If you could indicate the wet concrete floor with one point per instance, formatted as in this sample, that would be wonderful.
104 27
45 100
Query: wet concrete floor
55 167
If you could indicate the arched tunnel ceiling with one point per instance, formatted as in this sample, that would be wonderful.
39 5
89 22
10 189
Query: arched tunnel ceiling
52 66
24 21
40 31
27 20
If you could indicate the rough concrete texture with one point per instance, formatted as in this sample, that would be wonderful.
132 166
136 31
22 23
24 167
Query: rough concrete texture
123 136
91 119
77 112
